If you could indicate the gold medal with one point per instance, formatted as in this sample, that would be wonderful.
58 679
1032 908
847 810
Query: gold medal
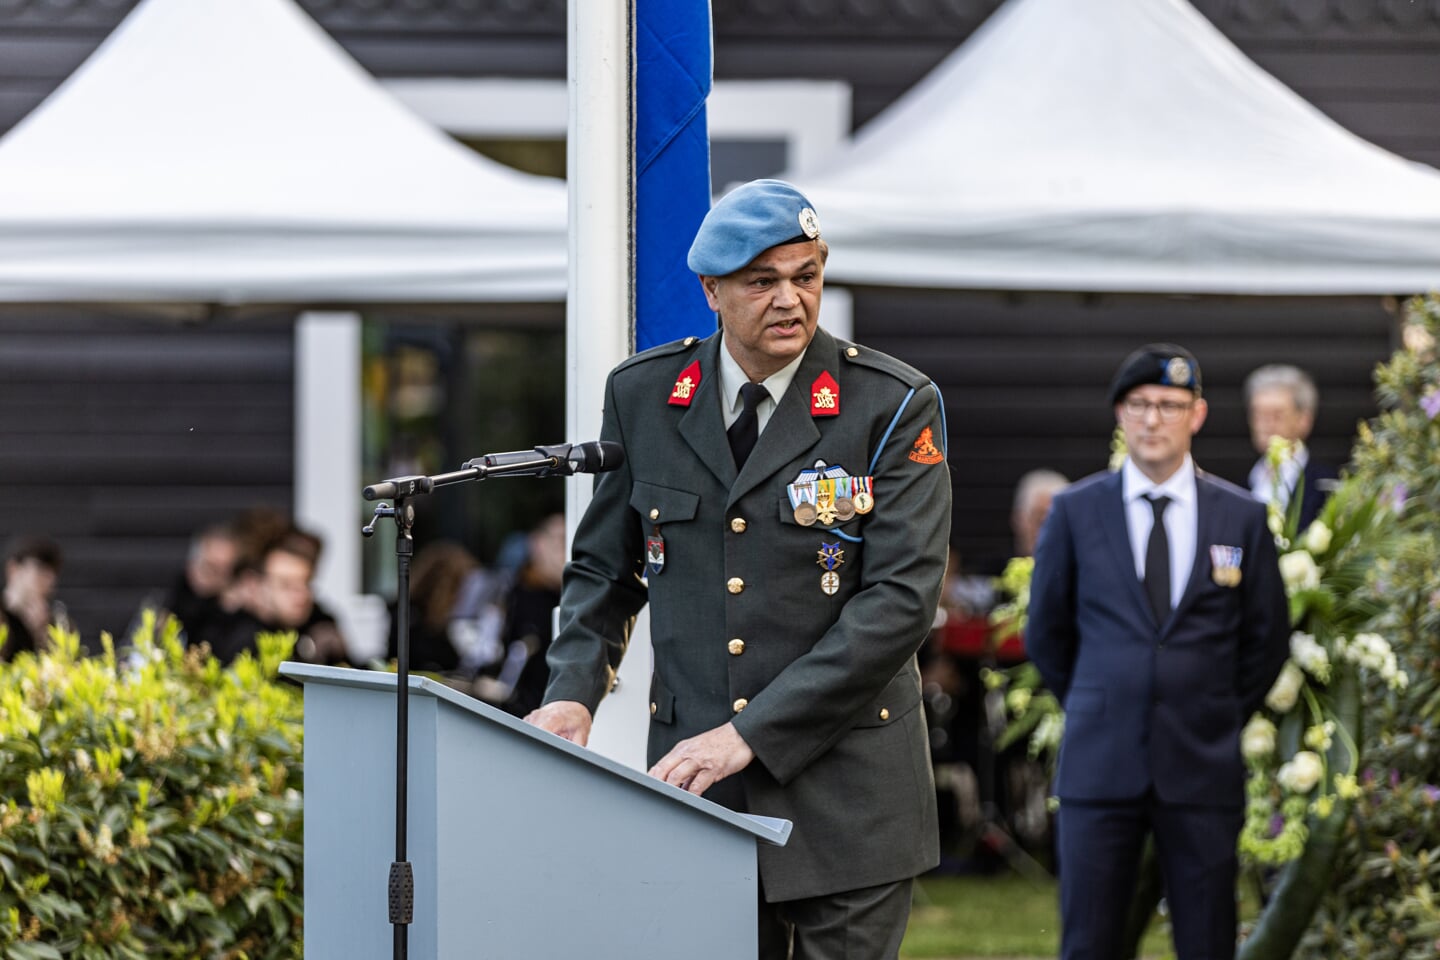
863 502
805 514
830 582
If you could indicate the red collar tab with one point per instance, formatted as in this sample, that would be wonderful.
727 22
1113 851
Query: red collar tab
825 396
686 385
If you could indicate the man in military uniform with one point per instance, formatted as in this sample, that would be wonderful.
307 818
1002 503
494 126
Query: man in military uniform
784 507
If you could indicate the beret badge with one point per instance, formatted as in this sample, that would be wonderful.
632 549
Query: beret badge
809 223
1177 372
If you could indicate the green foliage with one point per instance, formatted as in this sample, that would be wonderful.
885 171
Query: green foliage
1385 906
151 803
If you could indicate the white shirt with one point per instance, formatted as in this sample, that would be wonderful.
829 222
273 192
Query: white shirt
1262 478
1182 520
732 378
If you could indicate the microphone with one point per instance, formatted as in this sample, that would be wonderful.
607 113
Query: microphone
555 460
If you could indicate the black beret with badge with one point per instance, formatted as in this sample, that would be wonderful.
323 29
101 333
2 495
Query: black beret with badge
1162 364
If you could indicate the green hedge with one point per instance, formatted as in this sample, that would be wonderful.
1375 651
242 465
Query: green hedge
150 803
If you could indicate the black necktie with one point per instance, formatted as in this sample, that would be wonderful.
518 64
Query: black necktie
746 429
1157 562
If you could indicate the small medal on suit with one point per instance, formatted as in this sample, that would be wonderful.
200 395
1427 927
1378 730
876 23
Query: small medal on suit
655 553
830 556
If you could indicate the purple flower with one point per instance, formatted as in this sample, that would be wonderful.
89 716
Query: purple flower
1432 792
1430 403
1398 495
1394 779
1277 823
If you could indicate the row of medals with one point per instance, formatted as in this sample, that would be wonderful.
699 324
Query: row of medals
828 508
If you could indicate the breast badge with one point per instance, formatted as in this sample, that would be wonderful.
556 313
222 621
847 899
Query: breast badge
830 557
1225 565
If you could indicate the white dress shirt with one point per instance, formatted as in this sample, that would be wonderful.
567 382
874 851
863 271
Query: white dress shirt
1262 478
1182 520
732 378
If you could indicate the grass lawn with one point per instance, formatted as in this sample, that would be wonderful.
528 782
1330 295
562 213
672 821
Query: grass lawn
960 918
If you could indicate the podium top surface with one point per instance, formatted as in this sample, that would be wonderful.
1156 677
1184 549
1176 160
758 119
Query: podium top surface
768 829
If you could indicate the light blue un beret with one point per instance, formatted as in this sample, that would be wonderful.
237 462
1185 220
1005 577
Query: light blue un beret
746 222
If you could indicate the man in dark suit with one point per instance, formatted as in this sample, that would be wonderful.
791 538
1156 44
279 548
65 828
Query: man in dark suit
784 508
1281 401
1158 618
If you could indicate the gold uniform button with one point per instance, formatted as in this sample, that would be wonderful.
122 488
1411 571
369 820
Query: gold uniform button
736 647
689 341
852 352
740 704
884 713
654 513
653 707
738 525
735 585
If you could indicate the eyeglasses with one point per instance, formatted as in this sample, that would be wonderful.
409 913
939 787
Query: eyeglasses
1136 410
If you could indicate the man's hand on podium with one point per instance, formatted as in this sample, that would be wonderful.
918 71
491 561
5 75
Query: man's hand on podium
564 718
697 764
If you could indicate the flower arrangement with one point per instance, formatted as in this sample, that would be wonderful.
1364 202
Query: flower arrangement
151 802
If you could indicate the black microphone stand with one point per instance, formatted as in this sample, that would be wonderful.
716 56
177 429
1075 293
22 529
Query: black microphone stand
401 490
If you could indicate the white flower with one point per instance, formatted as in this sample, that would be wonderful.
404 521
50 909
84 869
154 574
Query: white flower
1286 691
1301 773
1319 736
1310 656
1299 572
1048 733
1257 740
1317 538
1373 652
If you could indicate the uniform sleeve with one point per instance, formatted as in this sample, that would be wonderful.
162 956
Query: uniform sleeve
602 590
816 699
1050 633
1265 627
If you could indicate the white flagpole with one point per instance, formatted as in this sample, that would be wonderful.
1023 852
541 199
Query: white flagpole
600 307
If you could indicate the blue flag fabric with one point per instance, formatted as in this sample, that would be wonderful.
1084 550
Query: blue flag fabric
672 166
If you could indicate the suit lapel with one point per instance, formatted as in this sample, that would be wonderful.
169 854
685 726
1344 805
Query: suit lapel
791 430
1206 509
1117 532
703 425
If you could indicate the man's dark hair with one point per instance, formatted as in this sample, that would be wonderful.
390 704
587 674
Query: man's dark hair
42 550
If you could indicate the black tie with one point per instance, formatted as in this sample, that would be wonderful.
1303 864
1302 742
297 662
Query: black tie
746 429
1157 562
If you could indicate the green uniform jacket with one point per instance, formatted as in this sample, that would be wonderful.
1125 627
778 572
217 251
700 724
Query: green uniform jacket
824 688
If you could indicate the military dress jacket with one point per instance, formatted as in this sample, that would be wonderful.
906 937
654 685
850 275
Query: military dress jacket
818 677
1155 706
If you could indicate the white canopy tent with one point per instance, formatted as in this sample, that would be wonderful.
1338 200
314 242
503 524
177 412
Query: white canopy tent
1120 146
229 151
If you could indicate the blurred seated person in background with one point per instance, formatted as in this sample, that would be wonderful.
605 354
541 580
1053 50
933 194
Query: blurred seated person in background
437 579
32 571
1032 505
529 615
275 596
194 599
1282 400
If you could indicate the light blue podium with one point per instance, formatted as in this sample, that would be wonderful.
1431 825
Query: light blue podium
523 845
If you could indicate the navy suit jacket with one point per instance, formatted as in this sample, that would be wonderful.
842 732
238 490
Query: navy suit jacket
1147 705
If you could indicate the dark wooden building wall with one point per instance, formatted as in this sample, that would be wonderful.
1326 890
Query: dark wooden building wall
1025 378
119 437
